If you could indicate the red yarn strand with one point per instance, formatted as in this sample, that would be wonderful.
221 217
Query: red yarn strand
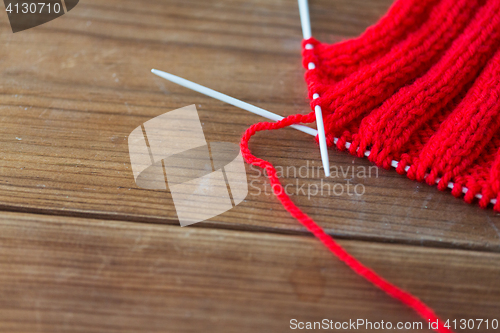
390 289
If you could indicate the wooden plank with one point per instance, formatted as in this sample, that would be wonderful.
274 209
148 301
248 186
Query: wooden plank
73 89
79 275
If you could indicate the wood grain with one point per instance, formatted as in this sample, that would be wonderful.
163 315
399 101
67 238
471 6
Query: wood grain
83 249
63 274
73 89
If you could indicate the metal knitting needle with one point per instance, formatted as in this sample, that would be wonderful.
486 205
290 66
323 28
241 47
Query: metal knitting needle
229 100
306 32
304 19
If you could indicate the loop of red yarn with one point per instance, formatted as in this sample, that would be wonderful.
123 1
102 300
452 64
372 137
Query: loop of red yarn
390 289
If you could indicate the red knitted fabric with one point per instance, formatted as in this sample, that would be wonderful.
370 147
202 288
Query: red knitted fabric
419 91
426 97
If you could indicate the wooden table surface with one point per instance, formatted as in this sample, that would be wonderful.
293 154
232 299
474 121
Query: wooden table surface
83 249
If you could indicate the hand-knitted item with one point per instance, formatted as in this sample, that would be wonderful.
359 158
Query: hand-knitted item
404 104
420 91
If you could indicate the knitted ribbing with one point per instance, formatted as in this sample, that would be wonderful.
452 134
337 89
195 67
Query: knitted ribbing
420 94
365 89
373 83
344 58
389 127
400 104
